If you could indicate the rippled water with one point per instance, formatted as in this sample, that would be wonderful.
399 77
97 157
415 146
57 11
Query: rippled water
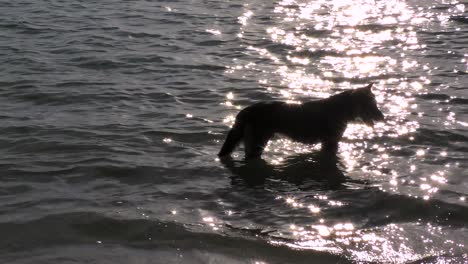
113 111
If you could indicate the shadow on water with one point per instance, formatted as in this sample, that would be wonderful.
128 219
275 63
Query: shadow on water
318 170
366 204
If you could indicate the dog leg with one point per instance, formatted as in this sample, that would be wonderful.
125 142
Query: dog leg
330 147
232 140
255 141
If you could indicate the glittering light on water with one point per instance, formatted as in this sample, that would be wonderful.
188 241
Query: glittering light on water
208 219
229 119
214 31
425 186
245 17
323 230
324 47
314 209
438 178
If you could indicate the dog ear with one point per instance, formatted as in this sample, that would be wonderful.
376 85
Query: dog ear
363 90
368 87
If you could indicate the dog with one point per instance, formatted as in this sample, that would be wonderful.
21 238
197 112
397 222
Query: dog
322 121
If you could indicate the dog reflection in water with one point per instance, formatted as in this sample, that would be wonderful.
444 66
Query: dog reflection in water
318 170
312 122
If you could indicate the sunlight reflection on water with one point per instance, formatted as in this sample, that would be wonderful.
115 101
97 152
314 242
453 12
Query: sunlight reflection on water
355 31
367 245
335 44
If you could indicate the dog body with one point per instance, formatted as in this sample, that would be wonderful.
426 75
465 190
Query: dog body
317 121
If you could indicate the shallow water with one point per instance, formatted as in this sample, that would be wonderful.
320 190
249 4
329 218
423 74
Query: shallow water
113 112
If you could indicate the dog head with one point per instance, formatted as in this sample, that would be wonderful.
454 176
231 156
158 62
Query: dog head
365 106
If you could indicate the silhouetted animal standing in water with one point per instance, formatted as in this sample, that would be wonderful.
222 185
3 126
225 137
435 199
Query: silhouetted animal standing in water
318 121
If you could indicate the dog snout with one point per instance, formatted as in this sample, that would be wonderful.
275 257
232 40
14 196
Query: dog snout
378 116
381 117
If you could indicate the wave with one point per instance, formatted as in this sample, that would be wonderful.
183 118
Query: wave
81 229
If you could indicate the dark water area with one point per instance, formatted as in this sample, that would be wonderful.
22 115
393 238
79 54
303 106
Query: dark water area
112 113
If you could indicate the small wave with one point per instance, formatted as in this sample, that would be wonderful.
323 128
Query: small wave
81 83
100 64
385 209
14 86
440 137
375 27
461 101
433 96
39 145
314 33
318 53
460 19
147 58
13 190
210 43
137 35
208 67
361 80
186 137
27 28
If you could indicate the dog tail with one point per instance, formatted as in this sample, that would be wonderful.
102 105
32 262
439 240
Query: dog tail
232 140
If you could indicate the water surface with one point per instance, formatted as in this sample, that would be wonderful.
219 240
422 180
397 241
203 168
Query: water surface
113 112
